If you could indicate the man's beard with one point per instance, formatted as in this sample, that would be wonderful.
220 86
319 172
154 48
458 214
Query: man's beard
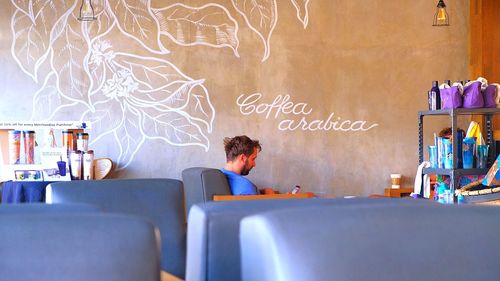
245 171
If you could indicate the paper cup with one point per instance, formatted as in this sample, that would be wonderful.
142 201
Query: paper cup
396 180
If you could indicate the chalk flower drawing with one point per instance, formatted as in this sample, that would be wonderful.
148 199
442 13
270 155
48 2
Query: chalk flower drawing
130 92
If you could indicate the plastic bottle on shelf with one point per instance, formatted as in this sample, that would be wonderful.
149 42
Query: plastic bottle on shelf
434 94
431 100
447 154
435 88
441 190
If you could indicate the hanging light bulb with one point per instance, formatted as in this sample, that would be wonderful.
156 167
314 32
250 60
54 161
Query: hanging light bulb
441 17
86 11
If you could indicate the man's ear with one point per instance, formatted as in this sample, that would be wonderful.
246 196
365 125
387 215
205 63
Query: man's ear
242 157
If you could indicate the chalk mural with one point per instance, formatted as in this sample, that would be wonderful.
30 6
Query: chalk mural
130 95
282 105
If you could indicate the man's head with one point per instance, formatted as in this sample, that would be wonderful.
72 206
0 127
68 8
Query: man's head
241 152
446 132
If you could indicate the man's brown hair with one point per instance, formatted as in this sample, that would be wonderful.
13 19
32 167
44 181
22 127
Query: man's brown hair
446 132
240 145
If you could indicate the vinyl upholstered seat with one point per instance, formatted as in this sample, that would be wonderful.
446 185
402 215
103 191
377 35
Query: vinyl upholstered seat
213 252
78 247
42 208
206 184
158 200
201 184
372 243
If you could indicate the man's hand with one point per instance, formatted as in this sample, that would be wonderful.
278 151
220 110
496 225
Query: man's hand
268 190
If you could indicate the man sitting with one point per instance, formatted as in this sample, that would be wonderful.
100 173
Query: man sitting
241 152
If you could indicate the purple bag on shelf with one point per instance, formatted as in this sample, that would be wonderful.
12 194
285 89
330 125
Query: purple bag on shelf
490 96
473 98
450 98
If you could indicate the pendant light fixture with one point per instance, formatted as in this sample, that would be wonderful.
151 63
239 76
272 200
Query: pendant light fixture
441 17
87 11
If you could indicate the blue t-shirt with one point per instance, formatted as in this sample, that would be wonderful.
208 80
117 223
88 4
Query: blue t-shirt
239 184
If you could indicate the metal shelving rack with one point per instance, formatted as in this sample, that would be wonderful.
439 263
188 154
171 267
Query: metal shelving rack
455 173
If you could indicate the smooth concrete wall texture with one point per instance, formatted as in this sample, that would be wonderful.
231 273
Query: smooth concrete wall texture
331 88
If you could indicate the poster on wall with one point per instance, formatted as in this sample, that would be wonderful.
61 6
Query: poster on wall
35 151
55 164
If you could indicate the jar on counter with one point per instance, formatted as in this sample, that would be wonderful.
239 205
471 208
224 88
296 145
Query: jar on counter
75 167
82 141
68 140
88 165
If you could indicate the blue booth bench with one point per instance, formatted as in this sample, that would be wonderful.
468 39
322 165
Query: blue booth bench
40 242
372 243
160 201
213 246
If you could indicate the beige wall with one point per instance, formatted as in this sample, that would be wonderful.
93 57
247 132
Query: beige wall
370 61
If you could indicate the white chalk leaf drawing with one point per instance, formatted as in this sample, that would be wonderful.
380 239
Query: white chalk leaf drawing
261 16
302 11
128 134
102 116
116 73
35 30
148 90
28 46
69 49
210 25
174 127
93 29
138 22
120 121
198 104
46 97
24 6
49 104
162 86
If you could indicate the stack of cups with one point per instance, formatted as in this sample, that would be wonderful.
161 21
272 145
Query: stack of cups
82 160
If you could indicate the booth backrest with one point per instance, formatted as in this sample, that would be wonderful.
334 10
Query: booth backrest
201 184
78 247
213 252
42 208
158 200
372 243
